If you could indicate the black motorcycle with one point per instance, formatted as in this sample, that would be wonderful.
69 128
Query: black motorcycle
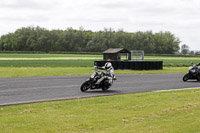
194 73
94 83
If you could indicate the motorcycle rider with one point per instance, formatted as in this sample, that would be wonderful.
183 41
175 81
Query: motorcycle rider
109 73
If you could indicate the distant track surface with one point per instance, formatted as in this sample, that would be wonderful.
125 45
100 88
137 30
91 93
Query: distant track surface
22 90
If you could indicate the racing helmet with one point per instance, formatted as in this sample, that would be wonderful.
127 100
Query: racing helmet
108 65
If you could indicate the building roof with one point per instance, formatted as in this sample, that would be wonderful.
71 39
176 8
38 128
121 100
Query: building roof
116 50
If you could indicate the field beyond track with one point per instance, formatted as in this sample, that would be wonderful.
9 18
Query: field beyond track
23 65
81 60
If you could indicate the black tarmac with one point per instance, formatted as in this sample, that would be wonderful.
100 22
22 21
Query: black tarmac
22 90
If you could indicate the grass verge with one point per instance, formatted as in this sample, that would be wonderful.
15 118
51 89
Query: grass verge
157 112
60 71
46 63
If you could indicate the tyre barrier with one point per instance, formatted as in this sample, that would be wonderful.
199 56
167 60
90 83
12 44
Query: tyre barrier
133 65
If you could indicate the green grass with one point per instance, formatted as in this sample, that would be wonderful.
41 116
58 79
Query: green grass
46 63
174 61
46 55
60 71
154 112
43 71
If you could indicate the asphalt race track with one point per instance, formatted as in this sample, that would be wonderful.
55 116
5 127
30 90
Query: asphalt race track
36 89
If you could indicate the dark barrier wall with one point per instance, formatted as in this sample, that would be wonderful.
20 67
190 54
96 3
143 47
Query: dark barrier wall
133 65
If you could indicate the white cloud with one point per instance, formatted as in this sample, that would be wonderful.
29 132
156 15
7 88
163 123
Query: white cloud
27 4
181 17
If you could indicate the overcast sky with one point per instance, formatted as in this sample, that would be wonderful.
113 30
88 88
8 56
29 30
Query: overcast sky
180 17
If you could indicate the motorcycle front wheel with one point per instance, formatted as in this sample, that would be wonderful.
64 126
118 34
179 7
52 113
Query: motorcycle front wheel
85 86
186 77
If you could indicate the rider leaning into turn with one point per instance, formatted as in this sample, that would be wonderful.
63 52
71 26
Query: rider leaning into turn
109 72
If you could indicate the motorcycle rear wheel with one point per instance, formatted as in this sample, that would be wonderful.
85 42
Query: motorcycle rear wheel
198 77
85 86
105 88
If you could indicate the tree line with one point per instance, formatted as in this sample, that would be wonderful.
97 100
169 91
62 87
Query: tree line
72 40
